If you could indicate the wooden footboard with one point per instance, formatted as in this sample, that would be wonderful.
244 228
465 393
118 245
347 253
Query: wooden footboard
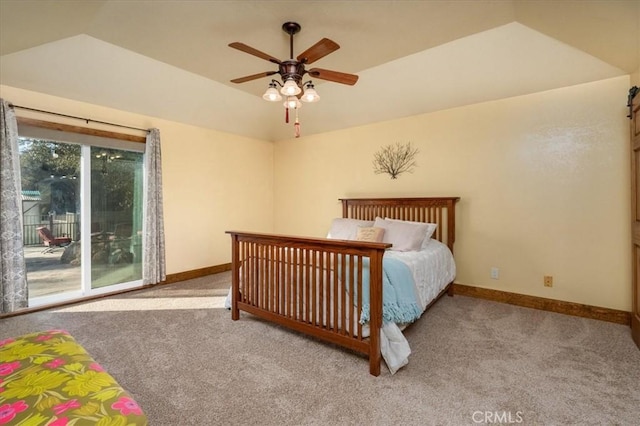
315 285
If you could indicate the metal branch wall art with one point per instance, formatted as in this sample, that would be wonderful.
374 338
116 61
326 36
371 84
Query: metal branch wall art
395 159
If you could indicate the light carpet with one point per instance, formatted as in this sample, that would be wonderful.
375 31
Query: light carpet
473 361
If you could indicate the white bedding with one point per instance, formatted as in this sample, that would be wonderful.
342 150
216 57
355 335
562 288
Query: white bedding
432 267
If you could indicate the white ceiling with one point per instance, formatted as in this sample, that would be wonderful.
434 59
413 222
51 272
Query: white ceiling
170 59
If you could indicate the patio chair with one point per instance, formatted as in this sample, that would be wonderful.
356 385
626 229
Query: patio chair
51 242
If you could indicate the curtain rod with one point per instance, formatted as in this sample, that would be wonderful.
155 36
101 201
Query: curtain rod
87 120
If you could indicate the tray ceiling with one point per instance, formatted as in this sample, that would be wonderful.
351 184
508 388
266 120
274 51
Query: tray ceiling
170 59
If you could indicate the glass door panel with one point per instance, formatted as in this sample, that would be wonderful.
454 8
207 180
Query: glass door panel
116 216
51 206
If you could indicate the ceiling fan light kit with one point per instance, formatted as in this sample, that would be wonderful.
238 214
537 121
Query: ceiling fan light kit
272 94
292 102
310 94
290 88
292 72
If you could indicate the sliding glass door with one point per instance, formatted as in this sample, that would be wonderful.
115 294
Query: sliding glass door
116 216
82 212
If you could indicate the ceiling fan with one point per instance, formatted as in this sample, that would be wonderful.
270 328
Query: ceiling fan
292 71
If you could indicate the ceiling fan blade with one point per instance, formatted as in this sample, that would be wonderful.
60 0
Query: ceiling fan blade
253 77
318 50
338 77
255 52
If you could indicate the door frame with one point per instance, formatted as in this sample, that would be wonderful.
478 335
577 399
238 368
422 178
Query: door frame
634 114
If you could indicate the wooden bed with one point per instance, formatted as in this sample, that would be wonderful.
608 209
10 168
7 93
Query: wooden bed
307 284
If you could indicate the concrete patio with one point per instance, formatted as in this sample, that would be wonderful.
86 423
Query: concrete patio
46 275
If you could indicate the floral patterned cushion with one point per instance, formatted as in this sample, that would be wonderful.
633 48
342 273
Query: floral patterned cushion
47 378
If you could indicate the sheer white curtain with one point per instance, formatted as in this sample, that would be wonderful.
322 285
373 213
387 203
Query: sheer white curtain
153 257
13 285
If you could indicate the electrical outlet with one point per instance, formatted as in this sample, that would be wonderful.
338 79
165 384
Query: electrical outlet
495 273
548 281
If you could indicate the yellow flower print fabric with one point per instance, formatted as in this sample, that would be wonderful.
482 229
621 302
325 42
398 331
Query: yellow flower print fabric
47 378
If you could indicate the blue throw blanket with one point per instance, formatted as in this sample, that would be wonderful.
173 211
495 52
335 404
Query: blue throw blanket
399 300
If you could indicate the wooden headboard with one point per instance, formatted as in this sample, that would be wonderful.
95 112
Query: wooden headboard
439 210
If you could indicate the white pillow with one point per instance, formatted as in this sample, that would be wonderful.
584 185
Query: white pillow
405 236
427 236
345 228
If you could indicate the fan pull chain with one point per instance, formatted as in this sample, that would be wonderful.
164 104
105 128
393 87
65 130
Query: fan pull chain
296 126
286 115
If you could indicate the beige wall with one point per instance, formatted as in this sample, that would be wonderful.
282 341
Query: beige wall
213 181
543 181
